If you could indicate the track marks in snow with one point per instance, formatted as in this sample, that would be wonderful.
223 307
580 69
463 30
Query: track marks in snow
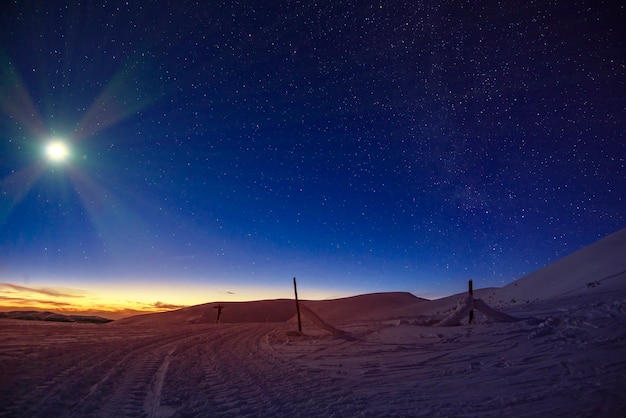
192 370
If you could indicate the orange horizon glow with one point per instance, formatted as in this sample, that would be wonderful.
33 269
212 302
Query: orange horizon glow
120 300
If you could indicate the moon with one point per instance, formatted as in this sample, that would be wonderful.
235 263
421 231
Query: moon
57 151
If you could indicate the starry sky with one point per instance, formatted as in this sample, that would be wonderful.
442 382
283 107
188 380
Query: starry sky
218 149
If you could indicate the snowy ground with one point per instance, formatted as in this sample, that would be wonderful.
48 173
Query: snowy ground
567 359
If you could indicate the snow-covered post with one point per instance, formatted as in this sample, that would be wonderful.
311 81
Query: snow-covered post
471 293
295 289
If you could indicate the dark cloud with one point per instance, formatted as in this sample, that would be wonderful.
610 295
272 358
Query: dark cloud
41 291
22 302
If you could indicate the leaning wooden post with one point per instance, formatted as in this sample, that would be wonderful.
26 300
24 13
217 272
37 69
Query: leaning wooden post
471 293
295 289
219 312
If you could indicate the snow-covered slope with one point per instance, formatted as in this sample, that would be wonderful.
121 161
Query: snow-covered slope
600 267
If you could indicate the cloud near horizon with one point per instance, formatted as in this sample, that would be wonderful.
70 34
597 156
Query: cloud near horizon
164 305
26 302
63 300
66 293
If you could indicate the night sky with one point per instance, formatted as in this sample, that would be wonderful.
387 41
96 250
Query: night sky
217 149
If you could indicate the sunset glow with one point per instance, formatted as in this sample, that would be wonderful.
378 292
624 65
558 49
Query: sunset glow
118 299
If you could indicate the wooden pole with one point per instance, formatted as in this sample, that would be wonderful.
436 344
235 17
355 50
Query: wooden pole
295 289
471 293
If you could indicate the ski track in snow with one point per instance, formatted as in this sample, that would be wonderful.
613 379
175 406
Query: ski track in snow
567 361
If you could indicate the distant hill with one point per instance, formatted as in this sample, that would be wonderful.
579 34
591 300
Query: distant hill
368 306
51 316
279 310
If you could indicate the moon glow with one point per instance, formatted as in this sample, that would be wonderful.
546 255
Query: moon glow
57 151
